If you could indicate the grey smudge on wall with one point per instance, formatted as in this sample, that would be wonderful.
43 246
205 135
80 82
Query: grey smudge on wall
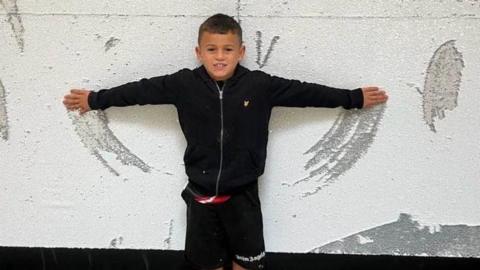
408 237
3 113
14 20
342 146
261 63
112 42
238 9
167 241
95 134
116 242
442 83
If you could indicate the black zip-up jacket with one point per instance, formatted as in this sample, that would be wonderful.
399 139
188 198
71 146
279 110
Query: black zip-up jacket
226 128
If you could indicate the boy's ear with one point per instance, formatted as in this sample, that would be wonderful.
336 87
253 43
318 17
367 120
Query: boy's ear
197 52
242 52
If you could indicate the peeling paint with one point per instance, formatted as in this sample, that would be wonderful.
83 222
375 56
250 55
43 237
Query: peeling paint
3 114
112 42
261 63
95 134
238 9
15 20
167 241
116 242
442 83
342 146
408 237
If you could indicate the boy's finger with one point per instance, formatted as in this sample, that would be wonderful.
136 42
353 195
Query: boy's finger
70 102
377 94
370 89
71 97
78 91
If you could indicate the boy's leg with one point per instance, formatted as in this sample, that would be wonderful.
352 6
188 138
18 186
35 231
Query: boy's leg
242 219
205 242
237 266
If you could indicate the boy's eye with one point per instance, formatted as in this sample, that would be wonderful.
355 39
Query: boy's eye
210 49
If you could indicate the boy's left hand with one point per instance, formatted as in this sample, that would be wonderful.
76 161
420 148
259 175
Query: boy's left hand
372 96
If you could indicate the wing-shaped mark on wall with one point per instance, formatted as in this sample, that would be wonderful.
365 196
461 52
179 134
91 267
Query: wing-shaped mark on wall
14 20
341 147
3 113
408 237
442 83
261 63
95 134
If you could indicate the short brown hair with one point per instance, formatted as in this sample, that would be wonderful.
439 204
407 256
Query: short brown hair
220 24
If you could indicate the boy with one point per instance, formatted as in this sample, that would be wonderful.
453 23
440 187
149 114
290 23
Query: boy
223 110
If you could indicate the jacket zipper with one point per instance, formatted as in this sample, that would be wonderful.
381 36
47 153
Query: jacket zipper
220 95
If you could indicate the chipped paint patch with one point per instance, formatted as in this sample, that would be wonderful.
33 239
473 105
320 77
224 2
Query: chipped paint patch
408 237
261 63
341 147
95 134
116 242
167 241
442 83
112 42
14 20
3 114
238 8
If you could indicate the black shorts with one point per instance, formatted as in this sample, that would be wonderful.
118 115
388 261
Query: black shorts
222 233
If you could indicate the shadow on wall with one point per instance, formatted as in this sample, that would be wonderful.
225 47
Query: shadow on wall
408 237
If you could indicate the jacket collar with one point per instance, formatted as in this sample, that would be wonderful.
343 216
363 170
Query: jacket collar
237 74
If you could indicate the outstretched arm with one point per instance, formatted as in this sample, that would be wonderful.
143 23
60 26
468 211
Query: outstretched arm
294 93
157 90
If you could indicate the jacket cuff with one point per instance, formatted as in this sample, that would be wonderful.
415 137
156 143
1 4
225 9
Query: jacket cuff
356 98
92 100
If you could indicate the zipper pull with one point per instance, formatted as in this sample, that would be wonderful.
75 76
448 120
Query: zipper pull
220 93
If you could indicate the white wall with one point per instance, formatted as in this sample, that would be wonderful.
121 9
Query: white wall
56 191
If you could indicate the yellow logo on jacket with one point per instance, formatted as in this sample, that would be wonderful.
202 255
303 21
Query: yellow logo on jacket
245 103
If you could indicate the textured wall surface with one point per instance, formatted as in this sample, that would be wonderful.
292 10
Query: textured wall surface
397 179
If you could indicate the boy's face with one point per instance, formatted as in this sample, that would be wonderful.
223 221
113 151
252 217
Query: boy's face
220 54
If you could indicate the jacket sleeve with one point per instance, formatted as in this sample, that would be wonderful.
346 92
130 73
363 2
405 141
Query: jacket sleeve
294 93
157 90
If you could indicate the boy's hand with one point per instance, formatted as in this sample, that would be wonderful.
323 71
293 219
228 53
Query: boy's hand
77 100
372 96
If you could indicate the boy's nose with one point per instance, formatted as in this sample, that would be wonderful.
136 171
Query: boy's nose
220 55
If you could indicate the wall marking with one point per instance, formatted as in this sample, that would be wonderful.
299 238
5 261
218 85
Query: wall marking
116 242
261 63
112 42
3 114
341 147
167 241
442 83
95 134
15 20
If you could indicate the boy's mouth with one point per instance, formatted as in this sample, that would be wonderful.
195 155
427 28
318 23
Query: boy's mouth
219 66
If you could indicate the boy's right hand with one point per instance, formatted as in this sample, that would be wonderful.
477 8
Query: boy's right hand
77 100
